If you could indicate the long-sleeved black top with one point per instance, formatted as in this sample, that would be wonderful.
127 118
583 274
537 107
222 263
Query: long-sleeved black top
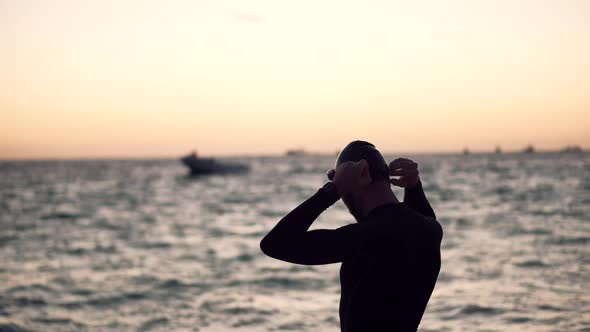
390 260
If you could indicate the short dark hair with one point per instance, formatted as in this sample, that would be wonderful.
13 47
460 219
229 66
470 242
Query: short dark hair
357 150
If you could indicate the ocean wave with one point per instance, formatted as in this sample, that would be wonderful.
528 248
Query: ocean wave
83 251
158 322
151 245
474 309
6 239
517 319
548 307
535 263
36 287
27 302
112 301
517 230
569 241
247 311
11 327
249 322
59 321
296 283
293 326
178 285
61 215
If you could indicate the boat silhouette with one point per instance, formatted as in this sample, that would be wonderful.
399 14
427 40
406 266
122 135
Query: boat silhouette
206 166
529 149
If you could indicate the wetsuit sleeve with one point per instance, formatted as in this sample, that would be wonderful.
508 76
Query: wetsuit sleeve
415 199
291 241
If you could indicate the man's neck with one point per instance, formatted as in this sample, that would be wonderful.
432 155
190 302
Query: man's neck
381 195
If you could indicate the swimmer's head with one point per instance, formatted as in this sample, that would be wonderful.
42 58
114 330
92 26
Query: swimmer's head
378 169
357 150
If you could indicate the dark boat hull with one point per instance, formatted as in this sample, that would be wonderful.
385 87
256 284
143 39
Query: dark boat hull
207 166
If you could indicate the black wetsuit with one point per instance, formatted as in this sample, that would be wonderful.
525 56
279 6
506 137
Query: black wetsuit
390 260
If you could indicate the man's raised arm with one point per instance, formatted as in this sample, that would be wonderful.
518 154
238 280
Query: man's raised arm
415 198
409 179
290 239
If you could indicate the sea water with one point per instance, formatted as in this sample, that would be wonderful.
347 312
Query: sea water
137 245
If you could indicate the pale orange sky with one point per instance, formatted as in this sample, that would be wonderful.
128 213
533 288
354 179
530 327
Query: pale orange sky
159 78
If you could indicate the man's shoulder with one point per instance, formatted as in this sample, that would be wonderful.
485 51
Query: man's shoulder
402 222
424 223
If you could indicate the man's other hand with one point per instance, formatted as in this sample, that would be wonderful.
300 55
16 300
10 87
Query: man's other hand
406 170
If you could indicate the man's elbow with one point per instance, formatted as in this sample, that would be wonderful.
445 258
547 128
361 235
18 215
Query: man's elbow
265 246
275 249
268 247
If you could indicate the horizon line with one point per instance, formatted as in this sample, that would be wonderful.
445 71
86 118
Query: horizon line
465 151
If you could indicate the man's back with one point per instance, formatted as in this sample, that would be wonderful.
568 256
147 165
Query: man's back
390 257
387 284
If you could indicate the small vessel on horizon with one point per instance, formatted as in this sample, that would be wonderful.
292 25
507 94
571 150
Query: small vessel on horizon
529 149
206 166
498 150
295 152
572 149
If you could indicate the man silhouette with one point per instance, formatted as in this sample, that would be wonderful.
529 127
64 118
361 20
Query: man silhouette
390 257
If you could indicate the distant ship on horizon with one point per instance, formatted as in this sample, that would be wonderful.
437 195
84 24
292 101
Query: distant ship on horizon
572 149
206 166
529 149
295 152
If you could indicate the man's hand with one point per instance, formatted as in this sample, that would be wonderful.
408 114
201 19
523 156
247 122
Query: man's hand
407 170
351 176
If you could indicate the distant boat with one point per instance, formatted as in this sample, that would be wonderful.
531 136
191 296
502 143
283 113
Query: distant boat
572 149
466 152
529 149
498 150
206 166
296 152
